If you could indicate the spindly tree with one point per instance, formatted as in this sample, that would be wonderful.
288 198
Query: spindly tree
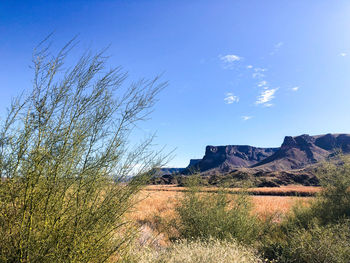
65 155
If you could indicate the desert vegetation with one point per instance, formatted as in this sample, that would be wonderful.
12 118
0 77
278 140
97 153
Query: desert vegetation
73 185
65 156
212 250
294 229
288 190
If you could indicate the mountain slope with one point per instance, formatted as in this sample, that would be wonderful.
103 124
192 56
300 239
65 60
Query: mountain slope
226 158
301 151
294 162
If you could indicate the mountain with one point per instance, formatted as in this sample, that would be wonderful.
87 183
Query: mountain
164 171
226 158
301 151
295 161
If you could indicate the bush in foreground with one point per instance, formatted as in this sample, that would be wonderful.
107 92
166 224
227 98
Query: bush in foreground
329 243
319 232
64 150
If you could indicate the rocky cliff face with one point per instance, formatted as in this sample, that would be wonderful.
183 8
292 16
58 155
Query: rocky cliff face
331 142
292 163
226 158
295 153
301 151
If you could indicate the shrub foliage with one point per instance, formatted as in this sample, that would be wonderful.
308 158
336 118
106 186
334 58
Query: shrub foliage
320 232
64 151
216 215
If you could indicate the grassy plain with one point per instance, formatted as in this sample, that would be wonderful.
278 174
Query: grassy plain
159 201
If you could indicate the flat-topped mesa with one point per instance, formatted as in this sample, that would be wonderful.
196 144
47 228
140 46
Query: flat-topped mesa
244 152
229 157
295 153
292 163
193 162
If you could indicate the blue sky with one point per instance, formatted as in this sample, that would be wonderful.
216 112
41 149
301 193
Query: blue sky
239 72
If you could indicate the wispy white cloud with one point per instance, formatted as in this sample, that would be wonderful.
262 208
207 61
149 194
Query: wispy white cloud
245 118
258 73
296 88
231 98
260 69
266 96
230 58
343 54
262 83
249 66
229 61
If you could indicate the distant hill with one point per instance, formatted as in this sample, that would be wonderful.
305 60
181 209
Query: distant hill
294 162
167 171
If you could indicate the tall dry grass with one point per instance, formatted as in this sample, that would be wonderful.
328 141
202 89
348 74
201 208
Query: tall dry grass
211 251
153 205
162 203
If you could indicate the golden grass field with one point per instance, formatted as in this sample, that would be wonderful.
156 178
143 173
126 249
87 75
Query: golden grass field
161 201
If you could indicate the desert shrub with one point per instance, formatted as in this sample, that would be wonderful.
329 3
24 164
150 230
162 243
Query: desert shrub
326 244
332 204
210 251
218 215
64 155
329 243
320 230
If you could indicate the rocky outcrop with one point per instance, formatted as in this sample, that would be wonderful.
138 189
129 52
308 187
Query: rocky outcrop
333 142
292 163
300 151
226 158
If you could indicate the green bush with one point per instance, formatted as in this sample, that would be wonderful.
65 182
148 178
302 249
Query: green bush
326 244
218 215
333 204
64 152
319 232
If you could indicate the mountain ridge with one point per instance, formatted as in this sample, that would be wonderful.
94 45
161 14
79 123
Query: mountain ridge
293 162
